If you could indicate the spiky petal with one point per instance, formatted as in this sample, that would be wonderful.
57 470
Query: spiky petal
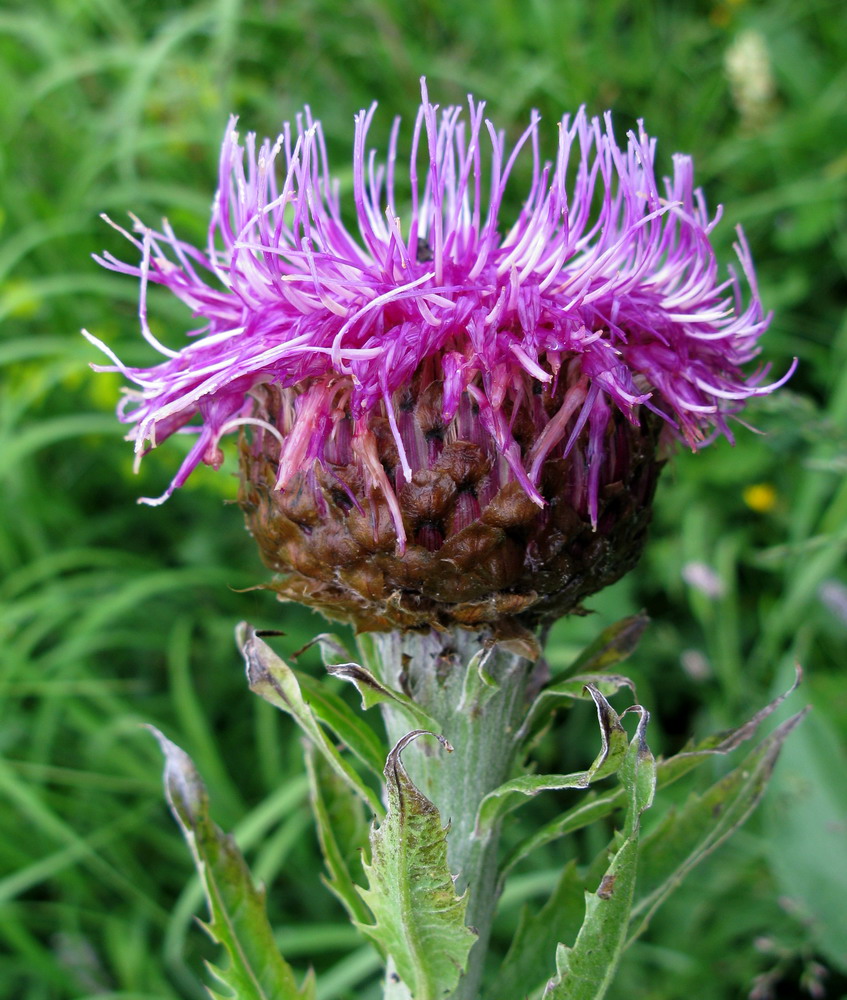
601 303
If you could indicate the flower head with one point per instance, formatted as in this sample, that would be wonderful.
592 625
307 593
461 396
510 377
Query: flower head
418 372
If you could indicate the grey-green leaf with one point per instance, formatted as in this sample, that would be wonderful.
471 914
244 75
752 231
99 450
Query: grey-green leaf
668 771
237 918
510 794
342 831
419 921
529 961
374 692
614 645
571 689
721 743
585 971
270 677
687 835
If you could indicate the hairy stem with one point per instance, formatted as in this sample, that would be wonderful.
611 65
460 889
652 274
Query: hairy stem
478 708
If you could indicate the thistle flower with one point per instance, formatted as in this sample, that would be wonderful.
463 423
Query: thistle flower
445 420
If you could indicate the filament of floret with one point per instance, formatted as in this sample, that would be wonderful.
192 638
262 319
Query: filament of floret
606 274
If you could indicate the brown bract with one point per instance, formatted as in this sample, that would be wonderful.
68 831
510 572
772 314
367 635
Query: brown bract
508 563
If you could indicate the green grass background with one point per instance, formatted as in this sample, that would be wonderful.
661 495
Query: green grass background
113 614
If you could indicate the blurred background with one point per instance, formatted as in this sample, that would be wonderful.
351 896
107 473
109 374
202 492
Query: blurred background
114 614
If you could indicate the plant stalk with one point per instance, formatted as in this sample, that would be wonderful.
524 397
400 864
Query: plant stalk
478 707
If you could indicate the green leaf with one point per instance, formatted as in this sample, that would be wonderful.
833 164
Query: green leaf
342 831
668 771
721 743
353 731
332 649
572 689
614 645
479 684
585 971
805 831
525 967
271 678
686 836
511 794
418 918
374 692
238 922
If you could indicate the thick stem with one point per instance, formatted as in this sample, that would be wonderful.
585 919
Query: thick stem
395 988
478 708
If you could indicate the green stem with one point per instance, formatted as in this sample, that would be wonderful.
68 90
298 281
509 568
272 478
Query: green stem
479 714
395 988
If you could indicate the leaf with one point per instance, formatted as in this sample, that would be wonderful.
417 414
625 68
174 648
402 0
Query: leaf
342 831
271 678
350 728
332 649
614 645
525 967
668 771
374 692
418 918
805 830
479 685
686 836
510 795
585 971
238 921
721 743
572 689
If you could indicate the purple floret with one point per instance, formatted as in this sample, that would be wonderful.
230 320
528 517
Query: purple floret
606 278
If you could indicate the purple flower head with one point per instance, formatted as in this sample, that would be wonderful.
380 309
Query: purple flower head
604 293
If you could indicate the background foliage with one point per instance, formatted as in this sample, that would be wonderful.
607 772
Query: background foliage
113 614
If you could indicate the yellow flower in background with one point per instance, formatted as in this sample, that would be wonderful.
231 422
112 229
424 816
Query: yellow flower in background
760 497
